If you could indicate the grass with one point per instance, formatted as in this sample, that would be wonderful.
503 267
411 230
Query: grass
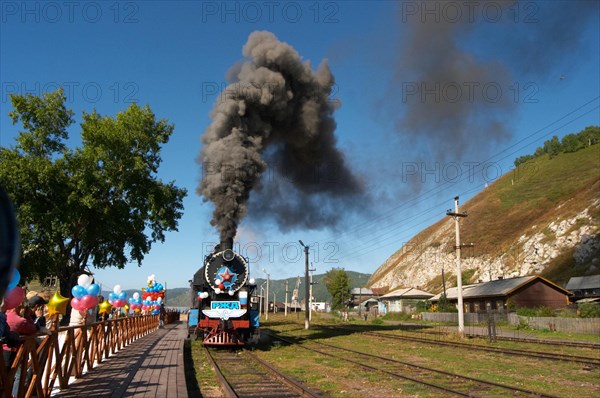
205 374
337 378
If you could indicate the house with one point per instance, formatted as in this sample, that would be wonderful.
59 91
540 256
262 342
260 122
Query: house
371 306
584 287
523 291
404 300
360 294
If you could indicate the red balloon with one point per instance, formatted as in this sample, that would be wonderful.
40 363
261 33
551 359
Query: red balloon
76 304
14 297
88 301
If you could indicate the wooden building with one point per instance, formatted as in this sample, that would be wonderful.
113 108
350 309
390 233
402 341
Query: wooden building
404 300
524 291
360 294
584 287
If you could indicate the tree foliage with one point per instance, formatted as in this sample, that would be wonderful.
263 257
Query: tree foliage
569 143
337 282
99 204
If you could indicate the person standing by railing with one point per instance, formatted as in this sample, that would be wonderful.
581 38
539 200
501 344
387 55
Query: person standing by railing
19 320
162 315
37 305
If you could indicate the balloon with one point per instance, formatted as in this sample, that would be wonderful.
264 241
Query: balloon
84 280
57 304
104 307
76 304
122 296
14 281
117 289
89 301
93 289
136 295
112 296
78 291
159 300
14 297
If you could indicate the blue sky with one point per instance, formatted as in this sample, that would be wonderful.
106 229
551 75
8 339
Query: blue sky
538 63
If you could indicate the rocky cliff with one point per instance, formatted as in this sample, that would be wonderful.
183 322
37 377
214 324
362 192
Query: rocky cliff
542 218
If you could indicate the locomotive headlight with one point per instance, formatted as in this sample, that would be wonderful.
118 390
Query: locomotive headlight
228 255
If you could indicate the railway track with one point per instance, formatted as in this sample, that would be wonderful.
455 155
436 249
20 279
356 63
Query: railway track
242 374
588 361
531 340
447 382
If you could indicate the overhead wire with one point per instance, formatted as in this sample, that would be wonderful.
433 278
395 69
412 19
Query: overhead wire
448 184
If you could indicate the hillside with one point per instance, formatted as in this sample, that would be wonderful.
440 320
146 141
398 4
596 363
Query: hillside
541 218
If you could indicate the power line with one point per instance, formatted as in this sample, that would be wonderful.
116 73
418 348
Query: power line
439 189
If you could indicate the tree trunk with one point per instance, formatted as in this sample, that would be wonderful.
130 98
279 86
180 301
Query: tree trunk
68 279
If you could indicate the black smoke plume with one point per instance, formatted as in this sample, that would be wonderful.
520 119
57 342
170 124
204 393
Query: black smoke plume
464 68
272 131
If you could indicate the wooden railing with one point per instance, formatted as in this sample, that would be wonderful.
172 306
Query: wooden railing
49 361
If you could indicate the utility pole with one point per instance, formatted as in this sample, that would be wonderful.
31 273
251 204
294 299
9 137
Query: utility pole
261 301
286 296
267 297
444 281
306 288
310 291
461 316
359 299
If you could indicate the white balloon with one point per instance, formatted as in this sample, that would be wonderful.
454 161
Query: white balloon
117 289
84 280
217 281
231 292
252 281
136 295
159 300
217 290
204 295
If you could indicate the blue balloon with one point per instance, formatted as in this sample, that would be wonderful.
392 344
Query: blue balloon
16 277
78 291
112 296
122 296
93 289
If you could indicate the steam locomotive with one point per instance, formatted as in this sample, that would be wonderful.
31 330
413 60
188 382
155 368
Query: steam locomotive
224 308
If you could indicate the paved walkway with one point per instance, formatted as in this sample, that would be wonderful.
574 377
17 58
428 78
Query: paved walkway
152 366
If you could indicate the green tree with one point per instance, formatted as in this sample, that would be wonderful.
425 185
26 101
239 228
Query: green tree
100 204
337 282
552 147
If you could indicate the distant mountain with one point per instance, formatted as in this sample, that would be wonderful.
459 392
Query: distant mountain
542 218
181 297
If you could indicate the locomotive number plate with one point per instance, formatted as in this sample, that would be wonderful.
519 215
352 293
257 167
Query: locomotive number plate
225 305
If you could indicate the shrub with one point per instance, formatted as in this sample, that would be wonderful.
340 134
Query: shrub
536 312
377 321
589 310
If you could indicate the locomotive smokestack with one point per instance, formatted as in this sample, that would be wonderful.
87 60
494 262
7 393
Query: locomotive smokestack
227 243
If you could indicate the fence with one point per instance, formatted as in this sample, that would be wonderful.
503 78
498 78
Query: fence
50 361
569 325
471 318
